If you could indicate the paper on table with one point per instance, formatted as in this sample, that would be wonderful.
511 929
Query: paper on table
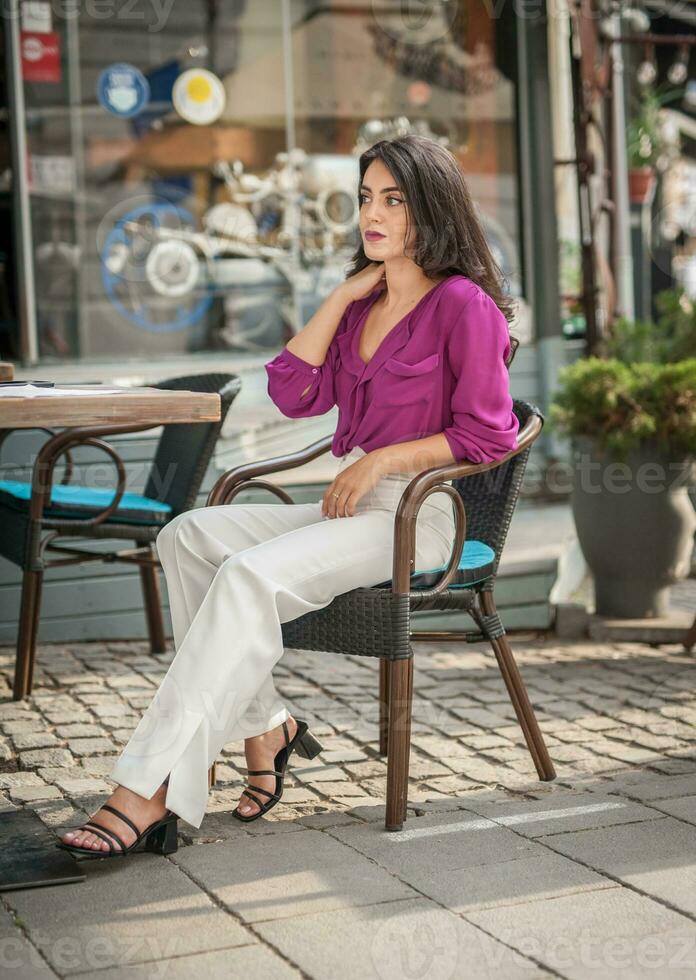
34 391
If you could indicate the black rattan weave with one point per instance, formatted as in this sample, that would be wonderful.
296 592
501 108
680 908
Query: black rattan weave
367 622
184 449
374 622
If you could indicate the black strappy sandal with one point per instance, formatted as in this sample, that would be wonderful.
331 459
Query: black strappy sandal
160 837
305 744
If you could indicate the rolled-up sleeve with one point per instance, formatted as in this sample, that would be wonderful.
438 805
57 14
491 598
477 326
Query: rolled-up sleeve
298 388
484 427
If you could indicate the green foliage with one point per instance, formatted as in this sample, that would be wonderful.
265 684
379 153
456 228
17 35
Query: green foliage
671 338
645 389
645 143
622 406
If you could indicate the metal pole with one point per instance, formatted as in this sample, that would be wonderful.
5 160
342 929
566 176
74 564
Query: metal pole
288 77
26 297
77 144
585 164
538 229
619 164
291 200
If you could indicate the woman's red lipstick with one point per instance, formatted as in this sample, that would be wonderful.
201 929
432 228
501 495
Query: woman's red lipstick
373 236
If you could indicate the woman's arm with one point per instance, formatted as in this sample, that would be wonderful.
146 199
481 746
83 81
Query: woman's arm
414 456
312 342
301 376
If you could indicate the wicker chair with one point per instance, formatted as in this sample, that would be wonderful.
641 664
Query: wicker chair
375 621
33 515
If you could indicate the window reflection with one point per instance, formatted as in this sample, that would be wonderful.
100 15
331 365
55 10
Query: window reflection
155 235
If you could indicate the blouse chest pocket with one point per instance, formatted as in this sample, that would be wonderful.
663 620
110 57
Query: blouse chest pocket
400 383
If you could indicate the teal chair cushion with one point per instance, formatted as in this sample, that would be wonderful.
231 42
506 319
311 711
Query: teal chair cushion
75 502
476 564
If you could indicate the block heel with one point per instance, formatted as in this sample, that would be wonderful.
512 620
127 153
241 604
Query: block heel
307 746
165 839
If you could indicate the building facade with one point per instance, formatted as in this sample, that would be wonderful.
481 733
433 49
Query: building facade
182 177
180 189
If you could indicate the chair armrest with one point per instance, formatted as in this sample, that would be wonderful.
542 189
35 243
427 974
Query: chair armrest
242 477
6 433
432 481
61 442
245 476
78 432
405 538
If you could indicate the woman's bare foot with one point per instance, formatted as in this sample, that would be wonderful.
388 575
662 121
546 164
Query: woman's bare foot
260 754
141 811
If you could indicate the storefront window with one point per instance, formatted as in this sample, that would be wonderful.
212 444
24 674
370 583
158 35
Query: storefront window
214 211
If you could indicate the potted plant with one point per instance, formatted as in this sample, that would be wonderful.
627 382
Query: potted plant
631 418
646 143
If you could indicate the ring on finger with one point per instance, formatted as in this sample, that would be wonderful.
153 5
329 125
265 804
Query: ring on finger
337 496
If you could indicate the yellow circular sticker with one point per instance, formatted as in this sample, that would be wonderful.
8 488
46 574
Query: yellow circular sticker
198 96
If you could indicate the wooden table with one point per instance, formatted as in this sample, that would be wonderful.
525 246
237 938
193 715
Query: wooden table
84 416
94 406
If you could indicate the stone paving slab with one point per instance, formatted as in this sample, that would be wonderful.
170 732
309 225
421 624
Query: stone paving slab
414 938
466 863
656 857
282 876
561 813
612 933
683 809
19 958
539 876
252 962
459 840
135 910
648 786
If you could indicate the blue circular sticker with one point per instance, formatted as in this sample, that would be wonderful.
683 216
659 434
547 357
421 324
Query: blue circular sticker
123 90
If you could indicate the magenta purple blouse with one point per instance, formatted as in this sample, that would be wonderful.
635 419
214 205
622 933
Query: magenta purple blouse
441 368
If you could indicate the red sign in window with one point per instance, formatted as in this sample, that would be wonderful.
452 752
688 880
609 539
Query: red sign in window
40 56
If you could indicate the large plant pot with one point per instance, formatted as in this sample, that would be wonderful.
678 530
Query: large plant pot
635 524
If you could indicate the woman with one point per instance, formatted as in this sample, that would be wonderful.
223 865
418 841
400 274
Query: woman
412 348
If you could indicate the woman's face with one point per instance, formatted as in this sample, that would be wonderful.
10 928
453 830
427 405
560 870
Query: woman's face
383 209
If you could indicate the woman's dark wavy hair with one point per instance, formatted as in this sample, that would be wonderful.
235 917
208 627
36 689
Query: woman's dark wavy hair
449 238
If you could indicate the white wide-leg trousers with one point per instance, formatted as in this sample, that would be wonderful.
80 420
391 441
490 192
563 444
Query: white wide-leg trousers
234 574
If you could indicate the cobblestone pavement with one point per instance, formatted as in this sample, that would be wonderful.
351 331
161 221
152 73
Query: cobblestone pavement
620 724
